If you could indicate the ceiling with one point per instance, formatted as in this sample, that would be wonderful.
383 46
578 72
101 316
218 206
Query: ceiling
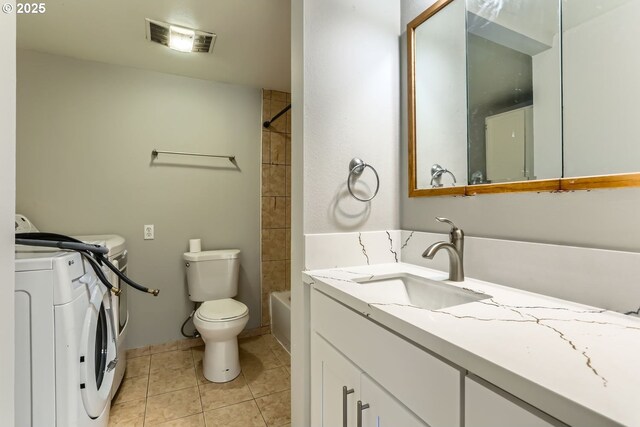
252 46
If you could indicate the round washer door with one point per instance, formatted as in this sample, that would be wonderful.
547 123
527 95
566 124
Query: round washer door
97 350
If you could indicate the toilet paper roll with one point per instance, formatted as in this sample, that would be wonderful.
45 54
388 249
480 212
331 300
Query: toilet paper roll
195 245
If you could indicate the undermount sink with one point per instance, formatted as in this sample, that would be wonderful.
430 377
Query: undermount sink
404 288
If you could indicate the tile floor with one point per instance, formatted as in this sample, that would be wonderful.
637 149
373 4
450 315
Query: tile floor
167 388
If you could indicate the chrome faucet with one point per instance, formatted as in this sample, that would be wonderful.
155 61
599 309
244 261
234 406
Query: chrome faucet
455 248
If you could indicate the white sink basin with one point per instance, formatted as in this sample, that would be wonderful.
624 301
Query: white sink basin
404 288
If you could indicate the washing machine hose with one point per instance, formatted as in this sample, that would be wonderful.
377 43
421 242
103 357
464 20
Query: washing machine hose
94 254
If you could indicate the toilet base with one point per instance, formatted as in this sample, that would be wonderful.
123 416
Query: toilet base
221 362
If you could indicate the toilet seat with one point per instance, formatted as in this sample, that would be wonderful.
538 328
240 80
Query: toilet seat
221 310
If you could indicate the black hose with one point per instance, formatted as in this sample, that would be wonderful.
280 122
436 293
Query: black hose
126 279
97 258
96 268
195 334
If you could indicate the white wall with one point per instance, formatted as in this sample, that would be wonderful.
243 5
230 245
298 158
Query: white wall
351 96
7 210
300 369
547 112
601 65
602 219
85 135
345 94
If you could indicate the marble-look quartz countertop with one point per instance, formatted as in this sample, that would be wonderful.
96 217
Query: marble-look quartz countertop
579 364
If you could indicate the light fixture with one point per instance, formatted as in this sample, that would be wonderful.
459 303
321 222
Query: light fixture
179 38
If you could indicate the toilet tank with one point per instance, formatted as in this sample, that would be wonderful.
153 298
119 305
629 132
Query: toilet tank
212 274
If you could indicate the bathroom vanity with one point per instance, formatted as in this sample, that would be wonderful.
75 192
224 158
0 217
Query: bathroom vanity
399 345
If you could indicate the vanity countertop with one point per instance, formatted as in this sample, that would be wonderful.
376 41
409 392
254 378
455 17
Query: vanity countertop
579 364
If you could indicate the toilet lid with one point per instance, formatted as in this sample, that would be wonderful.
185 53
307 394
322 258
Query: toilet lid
223 309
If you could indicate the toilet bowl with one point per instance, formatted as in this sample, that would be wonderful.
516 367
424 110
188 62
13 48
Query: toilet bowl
212 278
219 323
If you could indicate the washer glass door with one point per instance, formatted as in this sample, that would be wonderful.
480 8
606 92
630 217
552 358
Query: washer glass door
97 350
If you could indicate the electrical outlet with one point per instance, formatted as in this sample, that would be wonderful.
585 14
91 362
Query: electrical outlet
149 232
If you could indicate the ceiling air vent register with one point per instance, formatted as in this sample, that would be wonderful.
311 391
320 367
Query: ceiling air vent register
179 38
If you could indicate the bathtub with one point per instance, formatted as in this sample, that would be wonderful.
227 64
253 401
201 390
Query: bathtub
281 318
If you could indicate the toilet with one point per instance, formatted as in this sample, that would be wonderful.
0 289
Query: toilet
212 278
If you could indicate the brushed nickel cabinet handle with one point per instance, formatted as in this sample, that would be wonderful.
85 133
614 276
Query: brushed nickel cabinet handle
361 408
345 392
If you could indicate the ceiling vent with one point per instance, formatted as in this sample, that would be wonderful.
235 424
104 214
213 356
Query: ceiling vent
179 38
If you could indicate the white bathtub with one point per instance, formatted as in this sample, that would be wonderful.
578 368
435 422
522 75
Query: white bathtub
281 317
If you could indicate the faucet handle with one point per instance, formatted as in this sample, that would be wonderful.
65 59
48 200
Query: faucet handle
456 234
448 221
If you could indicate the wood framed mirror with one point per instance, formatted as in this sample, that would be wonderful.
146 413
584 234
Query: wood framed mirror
522 95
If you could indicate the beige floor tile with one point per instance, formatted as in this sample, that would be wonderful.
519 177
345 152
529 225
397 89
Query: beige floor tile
198 353
245 414
127 413
191 421
171 360
137 366
270 341
283 356
161 348
174 405
255 362
276 408
167 380
215 396
137 352
189 343
132 389
269 381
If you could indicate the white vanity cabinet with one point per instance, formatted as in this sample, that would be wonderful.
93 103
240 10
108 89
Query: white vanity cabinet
404 385
487 406
344 396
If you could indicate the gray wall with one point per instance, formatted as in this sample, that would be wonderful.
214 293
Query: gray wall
602 218
7 196
85 134
494 74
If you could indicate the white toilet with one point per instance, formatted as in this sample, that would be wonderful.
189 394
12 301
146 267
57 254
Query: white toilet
212 278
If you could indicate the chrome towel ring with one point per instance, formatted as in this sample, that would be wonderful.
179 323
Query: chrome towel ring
356 167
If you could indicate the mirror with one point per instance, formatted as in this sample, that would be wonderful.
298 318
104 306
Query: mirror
487 83
601 65
514 91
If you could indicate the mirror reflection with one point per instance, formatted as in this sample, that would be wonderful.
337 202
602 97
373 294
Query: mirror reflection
514 92
601 65
538 92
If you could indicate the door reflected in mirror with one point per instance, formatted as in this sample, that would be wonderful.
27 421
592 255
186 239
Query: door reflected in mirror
514 90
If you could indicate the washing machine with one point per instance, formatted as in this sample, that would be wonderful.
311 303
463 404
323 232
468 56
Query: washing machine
118 256
65 341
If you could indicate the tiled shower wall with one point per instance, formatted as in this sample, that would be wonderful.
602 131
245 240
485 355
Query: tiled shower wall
276 198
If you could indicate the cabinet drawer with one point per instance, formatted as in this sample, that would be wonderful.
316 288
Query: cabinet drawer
426 385
488 406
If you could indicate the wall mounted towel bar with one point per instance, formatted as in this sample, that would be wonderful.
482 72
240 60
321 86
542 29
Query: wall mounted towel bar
155 153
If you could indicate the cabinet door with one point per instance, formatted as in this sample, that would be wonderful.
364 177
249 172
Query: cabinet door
335 386
485 407
383 409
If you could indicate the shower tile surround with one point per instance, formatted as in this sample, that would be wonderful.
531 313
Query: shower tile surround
276 199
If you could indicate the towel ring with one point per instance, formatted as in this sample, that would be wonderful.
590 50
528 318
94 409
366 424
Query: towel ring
356 167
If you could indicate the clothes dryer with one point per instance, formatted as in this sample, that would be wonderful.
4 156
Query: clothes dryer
118 256
65 341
